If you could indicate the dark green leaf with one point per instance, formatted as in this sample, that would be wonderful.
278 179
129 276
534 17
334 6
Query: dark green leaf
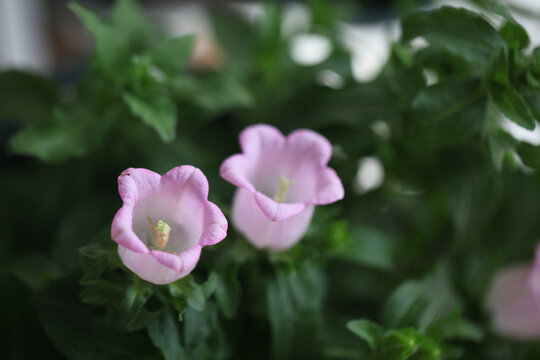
369 247
500 145
157 111
53 141
369 331
80 335
172 54
192 292
111 48
26 97
513 106
462 32
35 271
163 332
529 154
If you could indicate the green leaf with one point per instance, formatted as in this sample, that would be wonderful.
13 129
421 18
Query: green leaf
463 33
111 48
172 54
369 331
80 335
192 292
500 145
513 106
228 291
26 97
455 327
127 18
369 247
448 112
98 292
36 271
52 141
163 331
157 111
529 154
408 344
513 33
133 301
498 69
405 302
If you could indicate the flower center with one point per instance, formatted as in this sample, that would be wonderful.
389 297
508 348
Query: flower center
161 233
284 185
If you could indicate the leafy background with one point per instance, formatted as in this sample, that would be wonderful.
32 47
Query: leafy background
396 273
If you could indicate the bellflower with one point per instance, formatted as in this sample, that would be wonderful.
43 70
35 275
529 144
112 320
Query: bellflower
164 222
513 302
280 180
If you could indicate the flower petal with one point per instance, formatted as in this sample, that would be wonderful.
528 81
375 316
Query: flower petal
185 177
328 188
512 304
313 146
254 139
215 225
122 232
277 211
136 184
235 169
249 219
147 267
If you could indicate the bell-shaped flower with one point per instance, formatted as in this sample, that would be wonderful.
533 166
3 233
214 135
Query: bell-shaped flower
513 302
164 222
280 180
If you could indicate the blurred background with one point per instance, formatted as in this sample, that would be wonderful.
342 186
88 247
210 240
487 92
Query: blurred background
440 172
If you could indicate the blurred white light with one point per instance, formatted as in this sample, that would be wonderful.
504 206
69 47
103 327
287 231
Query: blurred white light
330 78
296 19
431 77
521 134
381 128
370 174
419 42
369 46
309 49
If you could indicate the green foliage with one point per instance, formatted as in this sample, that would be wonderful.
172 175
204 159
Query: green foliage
459 200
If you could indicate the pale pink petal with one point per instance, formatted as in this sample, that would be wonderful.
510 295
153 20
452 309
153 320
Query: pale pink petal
328 188
147 267
249 219
268 161
256 138
136 184
277 211
311 146
512 304
215 225
179 198
235 169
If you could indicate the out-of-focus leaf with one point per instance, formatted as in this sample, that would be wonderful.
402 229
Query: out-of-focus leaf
500 146
190 290
513 106
462 32
369 331
80 335
35 271
513 33
228 291
111 48
498 69
529 154
128 19
157 111
53 141
172 54
448 112
408 344
369 247
163 332
26 97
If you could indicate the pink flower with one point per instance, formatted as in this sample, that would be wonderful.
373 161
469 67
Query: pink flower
513 302
280 180
164 222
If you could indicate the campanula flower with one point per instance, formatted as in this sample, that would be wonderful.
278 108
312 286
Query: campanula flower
164 222
513 302
280 180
